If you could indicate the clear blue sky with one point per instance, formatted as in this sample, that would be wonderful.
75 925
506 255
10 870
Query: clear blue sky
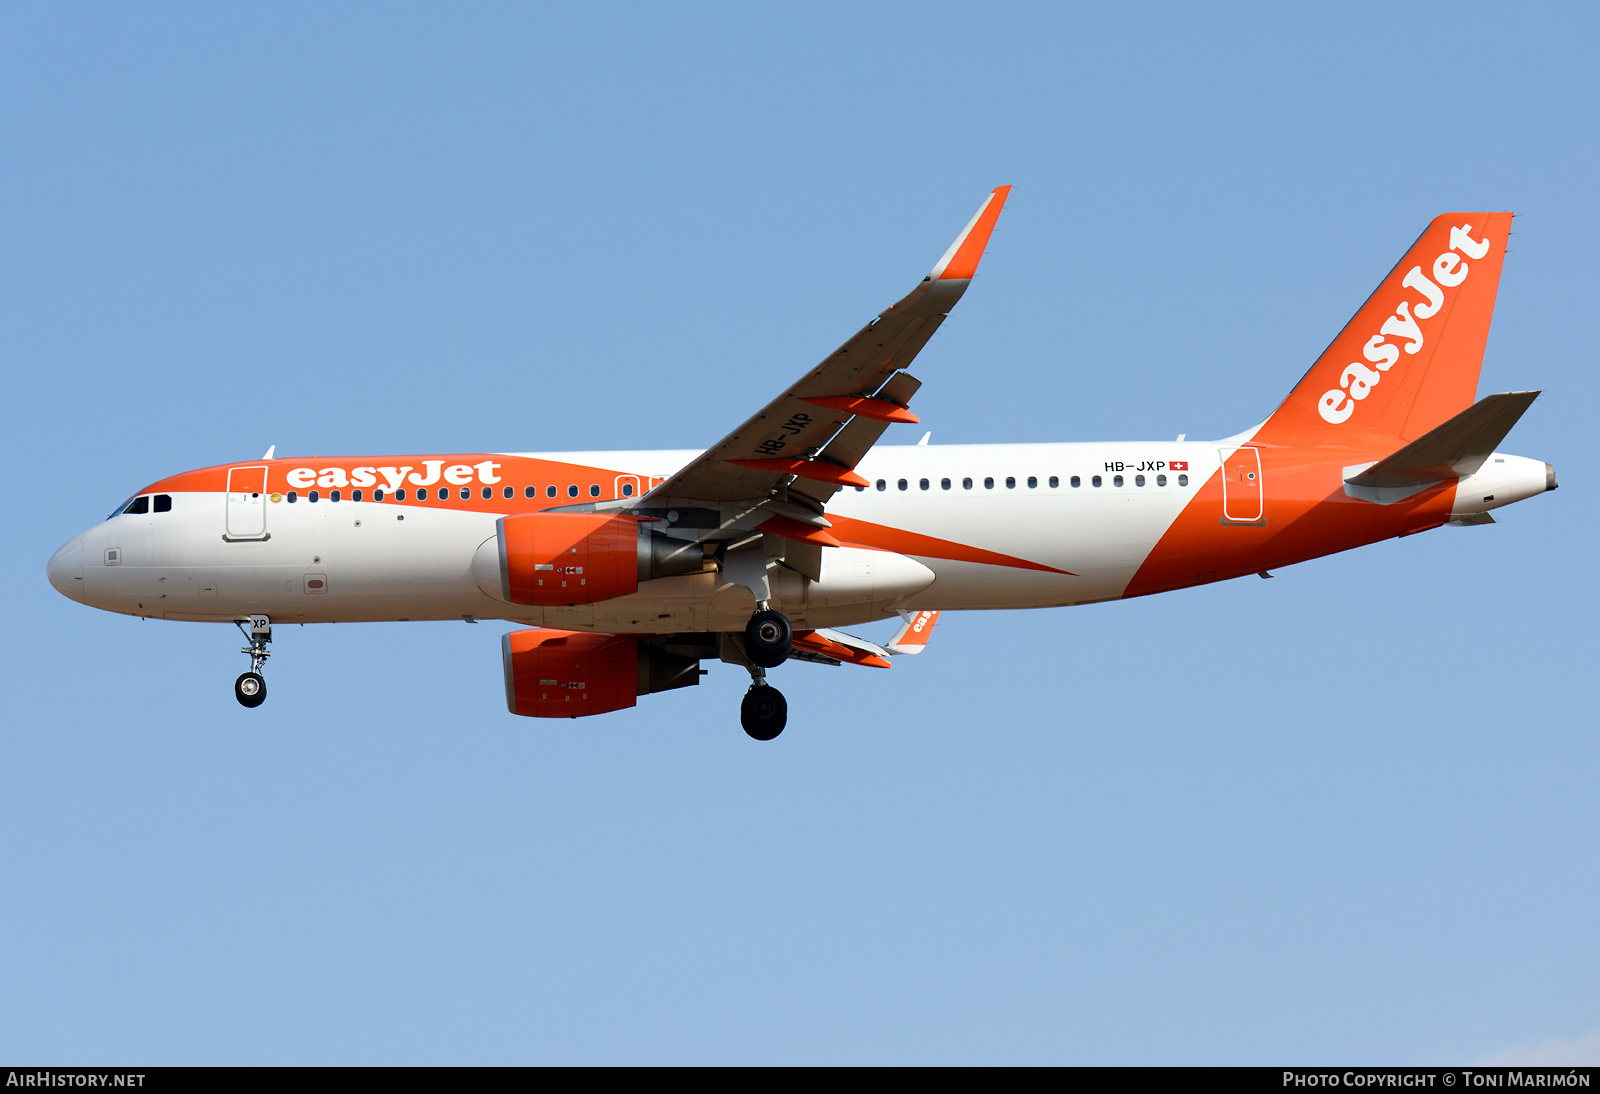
1344 815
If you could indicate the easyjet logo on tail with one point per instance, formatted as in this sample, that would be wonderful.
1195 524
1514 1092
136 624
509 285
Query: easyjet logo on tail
1357 380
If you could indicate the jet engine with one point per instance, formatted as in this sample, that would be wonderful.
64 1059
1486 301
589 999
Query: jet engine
555 559
568 674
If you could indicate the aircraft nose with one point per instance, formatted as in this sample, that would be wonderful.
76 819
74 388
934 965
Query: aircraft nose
66 569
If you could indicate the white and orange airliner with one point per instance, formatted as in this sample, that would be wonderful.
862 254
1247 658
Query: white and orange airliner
629 568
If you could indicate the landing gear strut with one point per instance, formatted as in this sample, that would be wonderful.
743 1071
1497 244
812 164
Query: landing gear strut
251 688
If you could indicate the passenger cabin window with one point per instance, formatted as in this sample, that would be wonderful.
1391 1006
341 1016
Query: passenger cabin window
1138 480
572 491
313 496
944 484
882 485
507 492
1011 482
627 489
530 491
333 495
1161 480
294 496
400 494
594 491
988 484
902 484
922 484
1183 480
355 495
377 495
488 492
422 493
466 493
966 484
550 491
163 503
1095 481
1076 482
1033 482
1054 482
1116 480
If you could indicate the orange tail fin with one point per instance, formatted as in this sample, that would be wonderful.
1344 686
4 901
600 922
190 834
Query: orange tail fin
1409 359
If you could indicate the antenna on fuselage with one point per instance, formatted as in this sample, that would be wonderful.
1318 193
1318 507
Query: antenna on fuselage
270 450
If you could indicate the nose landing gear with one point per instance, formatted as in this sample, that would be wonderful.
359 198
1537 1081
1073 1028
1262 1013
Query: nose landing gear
251 688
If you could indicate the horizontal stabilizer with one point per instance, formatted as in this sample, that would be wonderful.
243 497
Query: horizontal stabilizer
1456 448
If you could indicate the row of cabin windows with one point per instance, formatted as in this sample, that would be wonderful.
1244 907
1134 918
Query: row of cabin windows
1033 482
443 493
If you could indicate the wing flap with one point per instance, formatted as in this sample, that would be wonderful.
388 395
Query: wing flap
841 647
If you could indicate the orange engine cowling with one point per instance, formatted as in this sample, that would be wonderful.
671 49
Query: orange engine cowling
567 674
556 559
567 558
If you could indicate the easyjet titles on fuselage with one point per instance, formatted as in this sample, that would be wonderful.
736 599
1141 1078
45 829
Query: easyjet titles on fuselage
457 474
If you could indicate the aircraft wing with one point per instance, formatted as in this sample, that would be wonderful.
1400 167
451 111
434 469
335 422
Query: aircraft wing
812 436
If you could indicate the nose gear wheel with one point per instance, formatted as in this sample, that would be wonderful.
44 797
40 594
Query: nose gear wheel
250 689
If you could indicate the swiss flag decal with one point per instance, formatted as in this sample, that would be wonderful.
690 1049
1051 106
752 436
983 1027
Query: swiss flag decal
1179 465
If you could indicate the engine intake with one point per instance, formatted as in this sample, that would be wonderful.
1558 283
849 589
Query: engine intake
556 559
570 674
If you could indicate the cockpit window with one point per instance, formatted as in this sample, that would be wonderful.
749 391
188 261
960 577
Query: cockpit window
138 506
163 503
122 507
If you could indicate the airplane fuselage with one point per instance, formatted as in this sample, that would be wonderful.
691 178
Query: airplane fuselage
940 527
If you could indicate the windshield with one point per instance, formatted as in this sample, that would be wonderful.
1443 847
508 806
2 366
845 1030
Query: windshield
131 506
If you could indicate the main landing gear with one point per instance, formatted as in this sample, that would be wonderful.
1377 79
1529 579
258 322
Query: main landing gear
764 711
251 688
768 639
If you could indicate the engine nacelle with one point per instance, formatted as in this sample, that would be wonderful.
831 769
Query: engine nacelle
568 674
558 559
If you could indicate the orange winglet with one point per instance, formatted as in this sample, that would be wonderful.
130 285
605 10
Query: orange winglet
789 528
816 470
811 640
961 260
913 636
879 410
